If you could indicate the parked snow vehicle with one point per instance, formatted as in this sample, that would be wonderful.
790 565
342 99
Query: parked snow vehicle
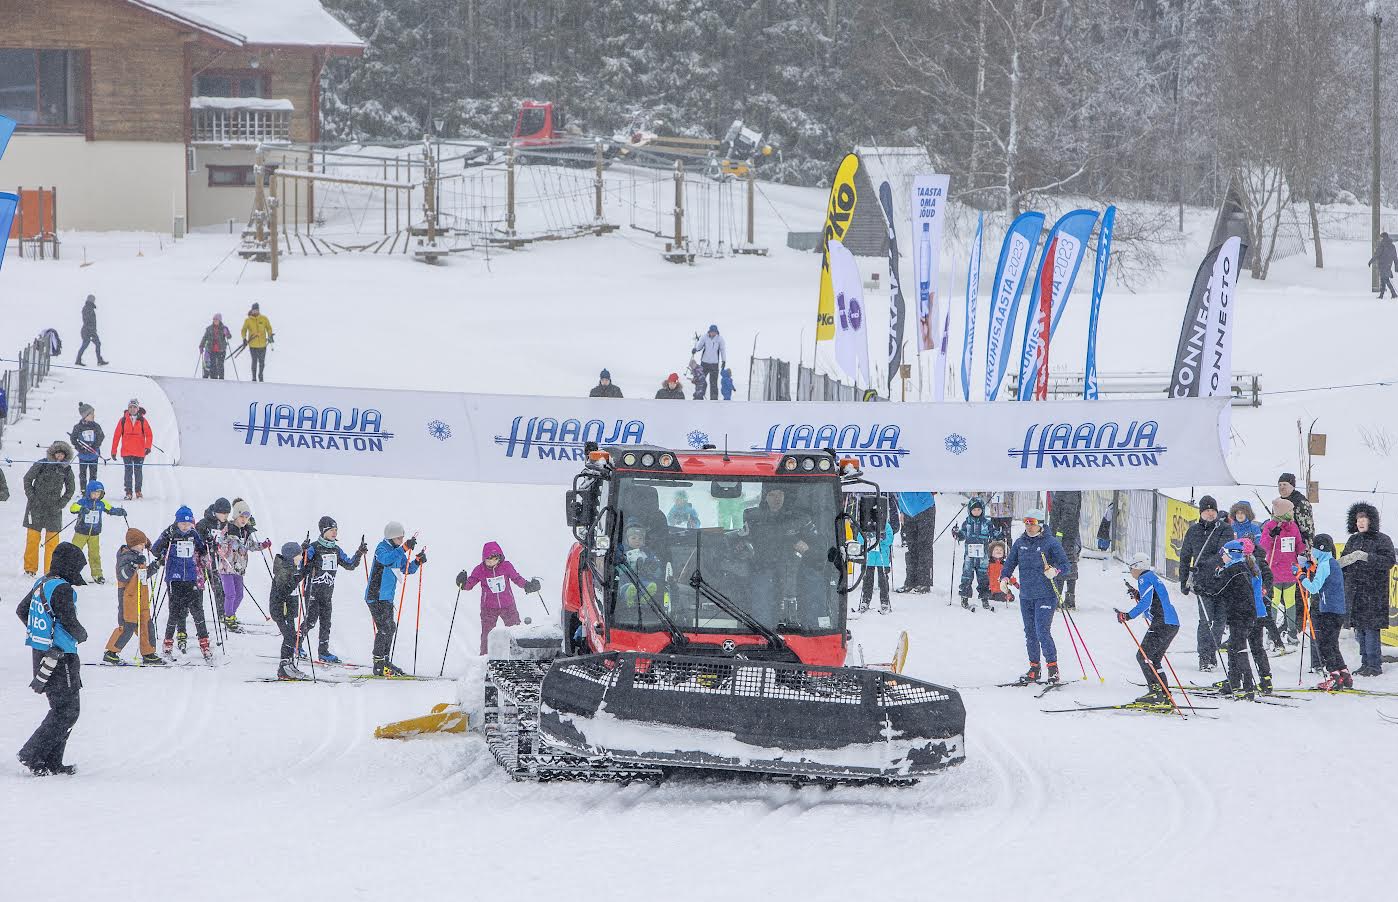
721 647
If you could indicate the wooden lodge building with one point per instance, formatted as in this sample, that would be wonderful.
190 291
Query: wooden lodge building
145 114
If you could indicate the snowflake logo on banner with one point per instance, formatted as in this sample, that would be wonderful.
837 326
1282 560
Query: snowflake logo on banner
956 443
697 439
439 430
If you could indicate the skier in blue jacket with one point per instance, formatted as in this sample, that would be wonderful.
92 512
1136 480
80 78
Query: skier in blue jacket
1153 600
1040 558
876 567
1326 584
977 531
390 558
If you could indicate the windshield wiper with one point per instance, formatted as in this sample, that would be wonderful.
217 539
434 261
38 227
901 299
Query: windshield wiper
705 589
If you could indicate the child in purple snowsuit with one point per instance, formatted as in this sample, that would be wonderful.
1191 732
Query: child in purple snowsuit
495 574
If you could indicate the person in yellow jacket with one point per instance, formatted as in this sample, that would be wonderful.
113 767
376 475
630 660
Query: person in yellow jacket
134 614
257 335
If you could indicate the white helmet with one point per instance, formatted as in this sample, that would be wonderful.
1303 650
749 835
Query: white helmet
1139 561
394 530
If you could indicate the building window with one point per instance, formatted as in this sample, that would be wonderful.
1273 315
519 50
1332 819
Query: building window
42 89
237 176
249 83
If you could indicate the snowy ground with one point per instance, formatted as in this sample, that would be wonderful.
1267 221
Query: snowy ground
240 790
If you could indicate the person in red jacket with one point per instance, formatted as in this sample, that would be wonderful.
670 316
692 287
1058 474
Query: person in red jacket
131 441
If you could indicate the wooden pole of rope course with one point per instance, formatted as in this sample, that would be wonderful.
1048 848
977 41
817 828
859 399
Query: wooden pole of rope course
679 205
510 193
273 246
597 183
259 203
752 193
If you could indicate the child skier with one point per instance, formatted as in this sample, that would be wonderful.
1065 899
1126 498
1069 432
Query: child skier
1241 602
390 559
1003 589
87 531
284 602
232 546
134 614
1327 587
976 531
1250 534
323 556
1153 600
876 567
181 551
494 574
87 437
1281 542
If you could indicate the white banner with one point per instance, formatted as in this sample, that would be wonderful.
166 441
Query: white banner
1052 445
929 204
851 339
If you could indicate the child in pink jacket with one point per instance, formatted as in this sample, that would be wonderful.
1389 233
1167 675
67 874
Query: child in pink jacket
1281 541
495 574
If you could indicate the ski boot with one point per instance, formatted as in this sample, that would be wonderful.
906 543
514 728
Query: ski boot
966 601
885 607
1155 695
324 656
139 496
31 574
126 497
154 659
288 670
383 667
1032 676
204 650
1338 679
1265 685
111 657
182 641
863 608
99 580
169 647
231 623
301 651
1223 687
1052 672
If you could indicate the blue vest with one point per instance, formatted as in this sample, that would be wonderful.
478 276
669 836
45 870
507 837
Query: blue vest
44 630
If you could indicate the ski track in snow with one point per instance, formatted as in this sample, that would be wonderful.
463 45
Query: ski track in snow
213 771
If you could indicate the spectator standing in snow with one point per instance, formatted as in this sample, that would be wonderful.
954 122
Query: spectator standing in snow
919 521
1065 512
1199 564
214 347
713 357
1367 561
1385 258
604 387
48 487
49 612
876 566
725 384
89 331
1301 506
494 575
87 437
257 335
132 441
670 389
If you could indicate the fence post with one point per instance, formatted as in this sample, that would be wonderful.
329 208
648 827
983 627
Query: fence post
679 205
752 185
1154 525
597 182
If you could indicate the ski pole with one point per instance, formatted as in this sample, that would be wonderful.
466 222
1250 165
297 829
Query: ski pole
1073 640
1156 673
254 601
441 670
417 623
398 618
1176 678
1068 612
1218 652
540 596
951 584
1068 617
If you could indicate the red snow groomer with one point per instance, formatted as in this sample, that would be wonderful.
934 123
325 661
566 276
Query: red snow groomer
704 626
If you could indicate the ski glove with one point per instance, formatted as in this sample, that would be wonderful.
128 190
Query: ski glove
956 533
461 579
532 585
1121 616
266 544
363 547
1134 593
1274 531
411 543
152 569
421 558
1184 587
121 512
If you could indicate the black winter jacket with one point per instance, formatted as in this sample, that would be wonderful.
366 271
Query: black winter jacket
48 487
604 391
89 329
1199 554
670 394
283 601
1366 582
1233 587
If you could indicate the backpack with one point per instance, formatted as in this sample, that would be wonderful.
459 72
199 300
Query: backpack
55 343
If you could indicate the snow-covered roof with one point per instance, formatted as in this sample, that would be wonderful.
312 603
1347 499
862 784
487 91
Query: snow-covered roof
283 23
241 103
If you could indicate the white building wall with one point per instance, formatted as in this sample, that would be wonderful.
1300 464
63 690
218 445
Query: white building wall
102 185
